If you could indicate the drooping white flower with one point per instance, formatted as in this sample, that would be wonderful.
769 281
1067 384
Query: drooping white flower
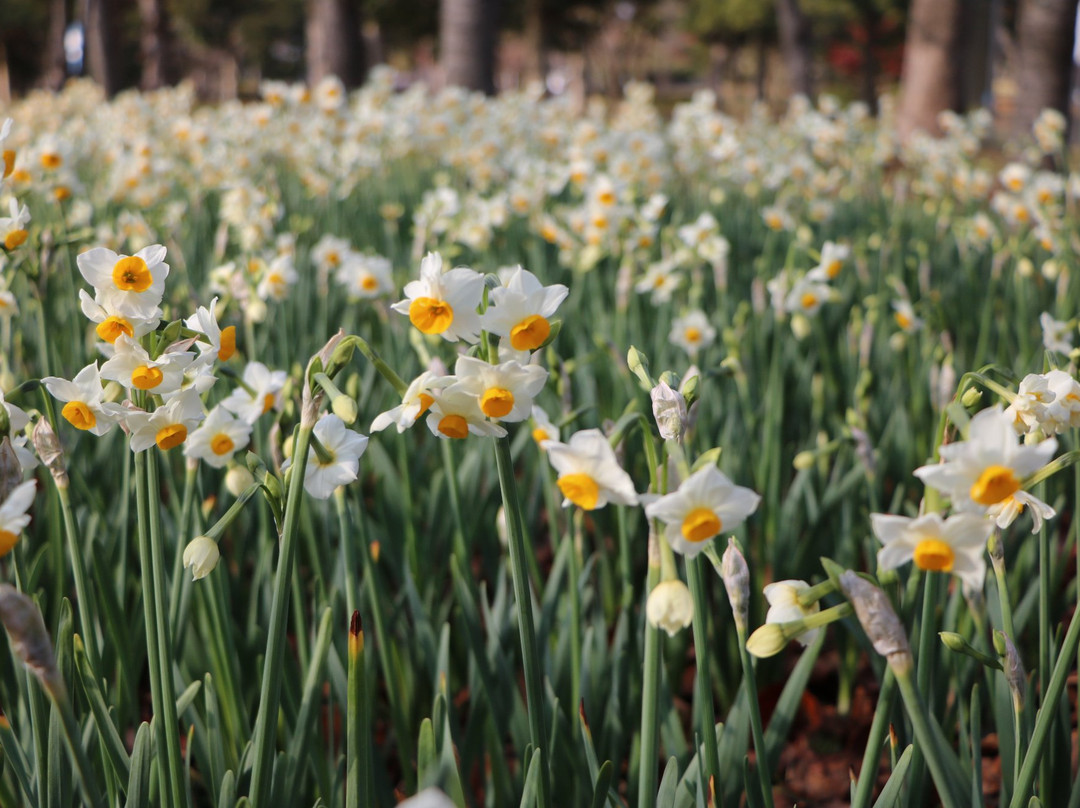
784 606
414 402
670 607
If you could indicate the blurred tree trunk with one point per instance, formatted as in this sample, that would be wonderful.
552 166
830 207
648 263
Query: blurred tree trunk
1045 32
975 75
467 43
54 66
334 43
928 83
155 45
795 44
103 46
535 52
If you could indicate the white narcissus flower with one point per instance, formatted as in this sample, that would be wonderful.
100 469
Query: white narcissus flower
444 303
343 448
589 475
428 798
1057 334
168 426
130 285
904 315
521 309
1029 409
218 438
132 367
1064 411
263 392
110 324
832 261
955 545
366 276
416 400
280 276
13 230
985 472
222 341
543 428
85 407
13 515
670 607
455 413
807 296
705 503
505 392
784 606
692 332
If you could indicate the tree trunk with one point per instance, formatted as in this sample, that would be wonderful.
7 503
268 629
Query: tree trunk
334 43
155 45
467 42
1044 44
928 81
54 66
103 45
535 52
795 44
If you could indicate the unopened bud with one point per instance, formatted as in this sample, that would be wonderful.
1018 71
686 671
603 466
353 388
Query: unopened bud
1014 670
47 446
345 408
30 640
878 619
670 606
669 410
10 468
736 577
803 460
639 366
238 479
956 642
201 556
971 397
767 641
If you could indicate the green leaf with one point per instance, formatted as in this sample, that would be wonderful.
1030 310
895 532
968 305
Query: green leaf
138 787
789 701
602 784
106 728
892 789
532 781
425 753
665 797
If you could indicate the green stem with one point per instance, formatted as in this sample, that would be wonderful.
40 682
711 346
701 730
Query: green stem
87 606
357 777
161 615
1047 713
868 773
73 736
450 470
153 645
764 774
523 598
924 736
1045 636
574 538
347 548
696 580
270 690
650 729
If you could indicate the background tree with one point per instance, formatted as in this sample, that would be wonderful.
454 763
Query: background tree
467 43
1045 32
796 45
334 45
928 84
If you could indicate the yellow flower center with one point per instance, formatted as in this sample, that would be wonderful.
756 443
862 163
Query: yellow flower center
430 315
268 402
701 524
808 300
902 320
454 426
51 160
994 484
145 377
606 198
14 239
496 402
333 259
221 444
61 193
540 435
425 403
934 555
79 415
131 274
530 333
581 489
692 334
7 541
369 284
171 436
228 343
9 162
112 327
833 268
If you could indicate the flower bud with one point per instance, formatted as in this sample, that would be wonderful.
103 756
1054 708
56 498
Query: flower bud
971 397
25 626
238 479
800 326
803 460
1014 670
47 446
670 606
736 577
878 619
767 641
344 408
201 556
669 410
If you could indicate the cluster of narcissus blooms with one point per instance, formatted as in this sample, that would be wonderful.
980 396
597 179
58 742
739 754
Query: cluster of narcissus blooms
983 478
